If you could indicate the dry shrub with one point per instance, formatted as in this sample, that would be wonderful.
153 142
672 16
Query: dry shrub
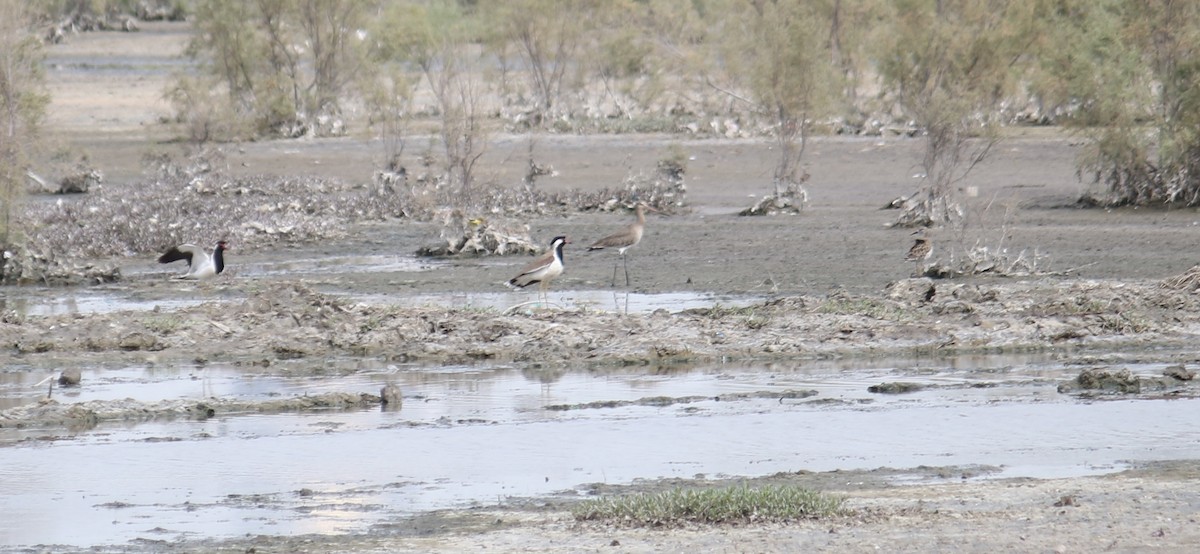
190 201
37 264
791 200
195 201
992 260
1186 281
980 242
478 236
494 221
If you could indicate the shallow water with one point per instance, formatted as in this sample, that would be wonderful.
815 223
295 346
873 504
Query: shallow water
33 301
621 302
99 301
166 294
476 435
88 303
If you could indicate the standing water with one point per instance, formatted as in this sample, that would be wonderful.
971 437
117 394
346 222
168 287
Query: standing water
469 436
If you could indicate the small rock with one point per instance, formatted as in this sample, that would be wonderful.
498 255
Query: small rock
202 411
912 291
70 377
80 182
138 341
390 395
1102 379
952 307
1179 372
895 388
967 293
1066 500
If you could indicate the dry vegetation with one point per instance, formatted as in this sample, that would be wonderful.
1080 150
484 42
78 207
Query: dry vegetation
198 200
949 73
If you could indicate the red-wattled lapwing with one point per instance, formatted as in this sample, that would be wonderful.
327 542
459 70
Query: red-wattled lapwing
201 263
624 240
921 250
542 270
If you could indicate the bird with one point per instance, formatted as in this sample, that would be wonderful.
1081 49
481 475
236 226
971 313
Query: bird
625 239
921 250
201 263
544 269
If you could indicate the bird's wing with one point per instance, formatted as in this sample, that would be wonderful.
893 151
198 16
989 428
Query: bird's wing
529 273
615 240
181 252
919 249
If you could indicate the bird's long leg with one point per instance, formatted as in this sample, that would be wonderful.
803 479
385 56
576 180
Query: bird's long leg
614 280
625 262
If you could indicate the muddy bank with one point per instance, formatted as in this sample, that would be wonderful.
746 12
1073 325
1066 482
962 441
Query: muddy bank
278 328
941 508
86 415
285 321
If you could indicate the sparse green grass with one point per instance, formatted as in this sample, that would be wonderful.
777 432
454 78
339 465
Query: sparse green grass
1125 323
756 317
757 321
868 307
163 324
721 312
1073 306
378 317
736 504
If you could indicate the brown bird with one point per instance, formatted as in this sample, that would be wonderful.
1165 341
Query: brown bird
544 269
921 250
624 240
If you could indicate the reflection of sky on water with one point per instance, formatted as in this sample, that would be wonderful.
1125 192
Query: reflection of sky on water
621 302
71 303
469 435
98 301
33 301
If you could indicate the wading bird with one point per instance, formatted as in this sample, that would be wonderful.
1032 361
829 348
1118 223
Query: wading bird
542 270
624 240
201 264
921 250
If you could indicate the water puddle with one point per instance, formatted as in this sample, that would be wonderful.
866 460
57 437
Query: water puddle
167 294
94 302
183 294
335 264
621 302
476 435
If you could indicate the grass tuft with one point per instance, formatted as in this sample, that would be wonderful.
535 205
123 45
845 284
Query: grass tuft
868 307
736 504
